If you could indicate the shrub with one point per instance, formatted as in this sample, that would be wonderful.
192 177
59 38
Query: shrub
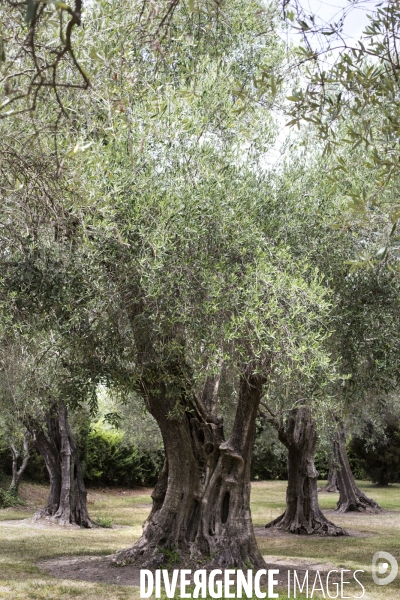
109 460
8 499
380 461
269 459
356 464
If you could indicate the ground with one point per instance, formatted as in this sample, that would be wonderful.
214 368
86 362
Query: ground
25 546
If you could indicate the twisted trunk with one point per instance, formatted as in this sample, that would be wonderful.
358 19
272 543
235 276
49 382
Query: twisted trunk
66 502
18 472
302 514
201 503
351 498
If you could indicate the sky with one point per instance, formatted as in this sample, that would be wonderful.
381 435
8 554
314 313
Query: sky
329 11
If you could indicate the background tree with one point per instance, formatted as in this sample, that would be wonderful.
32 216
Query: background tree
19 445
365 304
34 385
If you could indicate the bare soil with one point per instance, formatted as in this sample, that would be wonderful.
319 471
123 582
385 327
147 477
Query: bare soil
98 569
262 532
101 569
43 523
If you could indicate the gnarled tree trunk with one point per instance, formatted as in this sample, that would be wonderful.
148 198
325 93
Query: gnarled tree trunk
18 472
351 498
302 514
66 502
331 485
201 503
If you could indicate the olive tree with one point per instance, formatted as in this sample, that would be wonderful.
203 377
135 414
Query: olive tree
34 388
363 334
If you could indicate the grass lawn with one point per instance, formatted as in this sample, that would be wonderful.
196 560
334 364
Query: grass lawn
21 545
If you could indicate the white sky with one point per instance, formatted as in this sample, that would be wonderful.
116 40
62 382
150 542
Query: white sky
330 11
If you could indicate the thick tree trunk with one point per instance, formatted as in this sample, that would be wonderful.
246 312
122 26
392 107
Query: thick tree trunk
201 503
351 498
18 472
331 485
66 502
302 514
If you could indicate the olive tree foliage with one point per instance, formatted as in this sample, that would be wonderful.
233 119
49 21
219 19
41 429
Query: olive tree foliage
43 58
364 325
171 174
39 62
349 94
35 39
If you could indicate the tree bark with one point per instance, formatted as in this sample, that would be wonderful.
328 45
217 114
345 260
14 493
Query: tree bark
18 472
303 514
201 503
351 498
331 485
66 502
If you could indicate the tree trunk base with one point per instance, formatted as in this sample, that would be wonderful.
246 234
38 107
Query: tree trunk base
229 555
351 498
318 525
331 485
62 520
359 503
330 488
201 504
45 517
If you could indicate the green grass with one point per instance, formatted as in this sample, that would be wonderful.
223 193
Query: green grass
105 522
347 553
22 547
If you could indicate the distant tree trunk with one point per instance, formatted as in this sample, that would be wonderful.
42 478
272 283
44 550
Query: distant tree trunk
383 479
67 496
18 472
201 503
351 498
331 485
302 514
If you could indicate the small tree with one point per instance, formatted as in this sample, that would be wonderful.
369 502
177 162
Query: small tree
18 471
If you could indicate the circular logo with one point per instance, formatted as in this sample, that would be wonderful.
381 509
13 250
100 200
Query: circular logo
380 568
